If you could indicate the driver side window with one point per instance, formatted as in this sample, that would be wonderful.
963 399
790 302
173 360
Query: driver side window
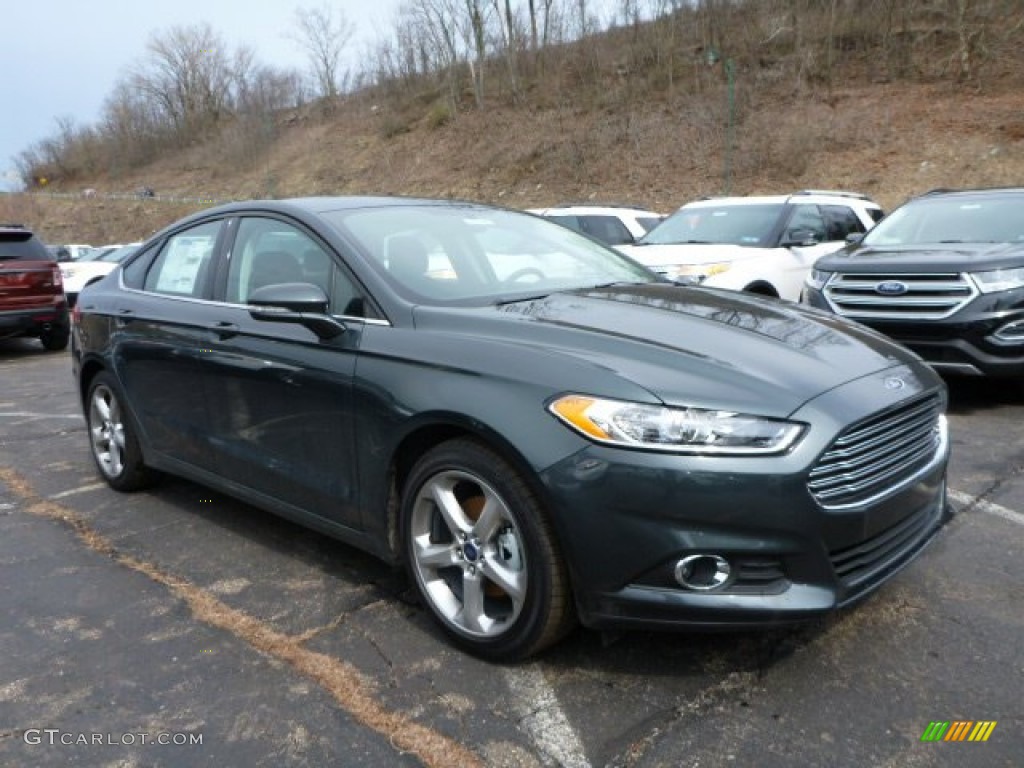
270 252
807 219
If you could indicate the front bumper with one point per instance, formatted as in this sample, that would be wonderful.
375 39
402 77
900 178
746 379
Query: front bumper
628 518
967 342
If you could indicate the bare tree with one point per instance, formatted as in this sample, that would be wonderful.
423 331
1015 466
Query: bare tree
323 33
187 77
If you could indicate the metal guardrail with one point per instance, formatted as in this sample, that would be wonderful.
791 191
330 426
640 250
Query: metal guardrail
130 196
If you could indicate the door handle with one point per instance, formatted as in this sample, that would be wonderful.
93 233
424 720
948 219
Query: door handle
225 330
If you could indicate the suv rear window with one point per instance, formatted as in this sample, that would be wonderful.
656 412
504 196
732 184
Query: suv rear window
19 244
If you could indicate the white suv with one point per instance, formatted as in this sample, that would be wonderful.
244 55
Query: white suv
612 224
764 245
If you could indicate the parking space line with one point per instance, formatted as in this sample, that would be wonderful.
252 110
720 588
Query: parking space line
33 415
987 506
534 700
75 491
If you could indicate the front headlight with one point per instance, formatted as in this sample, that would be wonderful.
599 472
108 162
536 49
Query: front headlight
697 273
817 278
680 430
999 280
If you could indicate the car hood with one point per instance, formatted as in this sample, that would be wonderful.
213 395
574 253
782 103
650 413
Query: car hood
688 253
683 346
949 257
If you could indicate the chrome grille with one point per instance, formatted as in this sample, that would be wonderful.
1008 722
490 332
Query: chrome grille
878 454
926 296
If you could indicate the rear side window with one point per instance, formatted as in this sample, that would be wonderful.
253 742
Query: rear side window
607 229
183 264
20 245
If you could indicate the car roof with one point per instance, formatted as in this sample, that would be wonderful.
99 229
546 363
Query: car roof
299 206
979 192
804 195
583 208
325 204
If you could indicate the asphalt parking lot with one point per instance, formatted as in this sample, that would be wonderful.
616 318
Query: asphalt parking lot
178 627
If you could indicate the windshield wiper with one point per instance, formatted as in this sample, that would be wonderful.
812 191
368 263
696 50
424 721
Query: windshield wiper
519 299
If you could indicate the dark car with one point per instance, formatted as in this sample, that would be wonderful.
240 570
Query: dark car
944 275
537 427
32 299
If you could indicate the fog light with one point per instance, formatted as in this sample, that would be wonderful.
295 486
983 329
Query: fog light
703 572
1012 333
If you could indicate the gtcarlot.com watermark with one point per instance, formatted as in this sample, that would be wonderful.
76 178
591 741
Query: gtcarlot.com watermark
56 737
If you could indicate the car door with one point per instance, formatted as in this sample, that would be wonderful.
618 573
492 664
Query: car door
159 329
280 397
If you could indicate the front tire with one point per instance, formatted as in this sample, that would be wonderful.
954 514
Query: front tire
482 553
115 447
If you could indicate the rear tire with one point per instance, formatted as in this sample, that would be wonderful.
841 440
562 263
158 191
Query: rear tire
55 339
115 447
482 553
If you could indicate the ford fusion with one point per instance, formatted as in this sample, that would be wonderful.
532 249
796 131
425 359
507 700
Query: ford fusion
540 430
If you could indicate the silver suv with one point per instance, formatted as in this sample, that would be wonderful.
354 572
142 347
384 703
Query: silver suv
764 244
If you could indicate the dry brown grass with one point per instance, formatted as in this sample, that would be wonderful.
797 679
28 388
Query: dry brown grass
351 690
613 122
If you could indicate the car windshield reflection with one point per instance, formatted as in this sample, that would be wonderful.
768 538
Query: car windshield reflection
447 255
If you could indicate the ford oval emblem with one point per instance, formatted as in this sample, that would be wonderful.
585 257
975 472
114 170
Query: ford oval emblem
894 382
891 288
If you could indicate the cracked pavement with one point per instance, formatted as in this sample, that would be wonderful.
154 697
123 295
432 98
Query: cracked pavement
181 611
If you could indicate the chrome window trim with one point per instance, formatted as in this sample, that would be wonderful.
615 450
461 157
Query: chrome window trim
232 305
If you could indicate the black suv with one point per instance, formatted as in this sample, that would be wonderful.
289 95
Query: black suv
32 301
943 274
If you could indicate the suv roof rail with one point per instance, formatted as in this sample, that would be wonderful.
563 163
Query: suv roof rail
832 193
594 204
11 226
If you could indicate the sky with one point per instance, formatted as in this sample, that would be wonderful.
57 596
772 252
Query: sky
65 56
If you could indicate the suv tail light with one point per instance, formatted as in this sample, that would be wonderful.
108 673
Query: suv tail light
58 281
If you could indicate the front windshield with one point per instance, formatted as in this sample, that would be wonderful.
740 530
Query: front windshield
747 224
467 254
952 220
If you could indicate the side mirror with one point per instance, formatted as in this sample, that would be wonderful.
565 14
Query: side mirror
854 237
301 303
801 238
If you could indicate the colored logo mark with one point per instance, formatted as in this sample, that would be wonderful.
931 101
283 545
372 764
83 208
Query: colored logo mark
958 730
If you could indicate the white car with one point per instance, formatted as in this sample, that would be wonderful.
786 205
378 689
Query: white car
765 245
611 224
78 274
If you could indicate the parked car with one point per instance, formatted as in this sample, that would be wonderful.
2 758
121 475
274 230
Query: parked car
598 444
611 224
762 244
32 299
79 251
944 275
102 261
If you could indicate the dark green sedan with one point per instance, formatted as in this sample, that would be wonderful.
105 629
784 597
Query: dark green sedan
539 429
